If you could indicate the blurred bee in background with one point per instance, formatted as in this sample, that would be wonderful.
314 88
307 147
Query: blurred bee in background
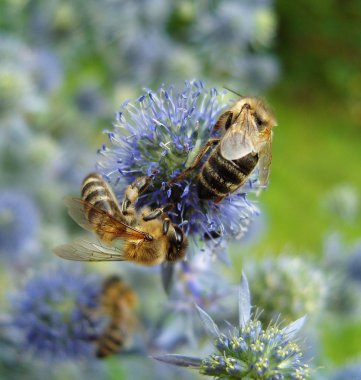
145 236
117 302
246 141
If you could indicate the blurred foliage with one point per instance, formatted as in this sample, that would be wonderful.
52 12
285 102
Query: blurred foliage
319 43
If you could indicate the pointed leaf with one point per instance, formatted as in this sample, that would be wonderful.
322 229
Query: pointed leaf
179 360
292 329
208 323
244 302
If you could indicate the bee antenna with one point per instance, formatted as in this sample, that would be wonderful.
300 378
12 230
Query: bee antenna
234 92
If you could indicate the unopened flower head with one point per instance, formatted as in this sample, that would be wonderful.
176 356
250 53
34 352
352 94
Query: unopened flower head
289 286
55 313
249 351
161 134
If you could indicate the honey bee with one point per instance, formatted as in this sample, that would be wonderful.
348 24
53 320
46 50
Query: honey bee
245 142
145 236
118 301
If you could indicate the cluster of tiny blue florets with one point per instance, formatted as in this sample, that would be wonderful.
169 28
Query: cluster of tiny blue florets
258 353
160 135
55 313
248 351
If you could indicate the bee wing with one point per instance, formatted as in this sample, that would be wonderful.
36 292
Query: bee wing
265 158
101 220
237 143
87 251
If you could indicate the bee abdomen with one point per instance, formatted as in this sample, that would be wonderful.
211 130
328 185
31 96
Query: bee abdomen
247 163
110 342
219 177
96 192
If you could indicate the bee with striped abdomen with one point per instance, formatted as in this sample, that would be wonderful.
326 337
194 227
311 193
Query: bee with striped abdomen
245 142
118 301
145 236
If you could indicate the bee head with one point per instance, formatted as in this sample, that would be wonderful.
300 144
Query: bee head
178 244
262 116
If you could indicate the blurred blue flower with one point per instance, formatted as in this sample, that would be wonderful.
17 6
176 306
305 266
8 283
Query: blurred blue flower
162 40
195 281
161 134
198 281
288 285
249 28
343 202
248 351
354 264
349 372
342 264
25 75
19 223
55 312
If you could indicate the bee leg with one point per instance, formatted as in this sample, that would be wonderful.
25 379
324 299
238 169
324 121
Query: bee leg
196 161
217 200
166 224
133 191
225 120
156 213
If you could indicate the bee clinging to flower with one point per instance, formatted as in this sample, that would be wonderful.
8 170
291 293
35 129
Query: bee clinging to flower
246 139
144 236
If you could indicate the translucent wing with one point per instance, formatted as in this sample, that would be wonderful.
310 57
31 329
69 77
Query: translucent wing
101 222
265 158
237 143
88 251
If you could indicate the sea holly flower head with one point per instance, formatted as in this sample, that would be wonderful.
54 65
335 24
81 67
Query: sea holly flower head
160 134
55 313
248 351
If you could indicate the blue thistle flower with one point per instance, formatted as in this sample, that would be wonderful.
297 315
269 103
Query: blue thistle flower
55 313
19 223
248 351
161 134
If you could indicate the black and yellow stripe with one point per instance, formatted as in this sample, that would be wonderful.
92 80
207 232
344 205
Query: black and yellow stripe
220 176
98 193
110 342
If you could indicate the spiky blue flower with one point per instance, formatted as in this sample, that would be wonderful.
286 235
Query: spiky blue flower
161 134
19 223
55 313
248 351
